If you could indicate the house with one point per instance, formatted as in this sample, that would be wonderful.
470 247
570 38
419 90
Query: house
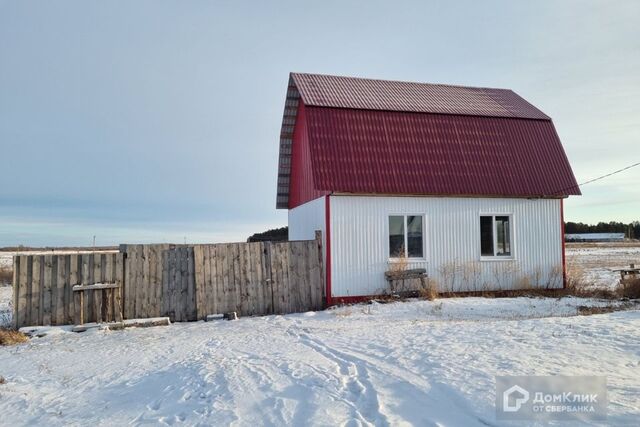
467 183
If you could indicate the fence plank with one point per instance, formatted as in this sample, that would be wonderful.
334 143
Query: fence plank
268 277
119 278
145 282
21 289
141 286
28 290
191 283
32 311
15 287
238 285
218 262
206 287
154 295
68 293
97 295
58 315
165 283
49 278
257 282
37 273
109 278
86 279
172 300
198 259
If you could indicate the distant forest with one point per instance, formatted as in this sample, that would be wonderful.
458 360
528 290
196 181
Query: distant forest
631 230
274 235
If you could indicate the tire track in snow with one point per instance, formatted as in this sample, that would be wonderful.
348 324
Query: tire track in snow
436 395
357 391
424 394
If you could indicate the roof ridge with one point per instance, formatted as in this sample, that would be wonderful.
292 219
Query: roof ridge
365 93
294 73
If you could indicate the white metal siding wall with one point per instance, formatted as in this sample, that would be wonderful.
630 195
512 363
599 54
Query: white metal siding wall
305 219
359 243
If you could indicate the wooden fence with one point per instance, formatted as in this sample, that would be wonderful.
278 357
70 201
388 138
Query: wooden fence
182 282
159 281
259 278
43 287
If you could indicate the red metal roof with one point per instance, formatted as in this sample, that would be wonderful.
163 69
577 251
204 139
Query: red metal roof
509 152
368 94
364 151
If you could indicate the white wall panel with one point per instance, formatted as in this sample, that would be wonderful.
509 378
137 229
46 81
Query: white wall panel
305 219
359 242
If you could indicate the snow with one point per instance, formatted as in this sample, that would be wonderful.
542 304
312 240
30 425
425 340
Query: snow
412 363
6 306
6 259
597 262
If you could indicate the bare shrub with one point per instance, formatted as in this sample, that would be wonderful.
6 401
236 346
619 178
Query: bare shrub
2 380
523 282
629 288
472 276
578 289
399 263
430 292
576 276
449 274
11 337
554 277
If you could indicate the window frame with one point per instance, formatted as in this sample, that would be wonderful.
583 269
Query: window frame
494 232
406 236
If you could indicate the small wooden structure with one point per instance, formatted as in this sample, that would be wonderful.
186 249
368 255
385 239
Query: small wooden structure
630 273
108 308
407 282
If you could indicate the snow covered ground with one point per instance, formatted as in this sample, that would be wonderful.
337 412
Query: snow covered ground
6 306
596 261
413 363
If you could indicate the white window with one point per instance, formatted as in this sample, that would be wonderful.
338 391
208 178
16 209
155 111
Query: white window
406 236
495 236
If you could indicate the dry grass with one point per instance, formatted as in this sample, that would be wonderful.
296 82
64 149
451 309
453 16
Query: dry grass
585 310
2 380
6 275
400 263
430 292
11 337
630 289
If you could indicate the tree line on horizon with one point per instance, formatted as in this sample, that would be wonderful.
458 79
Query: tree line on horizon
630 230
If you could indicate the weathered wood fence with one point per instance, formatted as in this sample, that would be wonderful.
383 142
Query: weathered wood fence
43 287
183 282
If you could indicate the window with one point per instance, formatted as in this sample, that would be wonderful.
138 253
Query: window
406 236
495 235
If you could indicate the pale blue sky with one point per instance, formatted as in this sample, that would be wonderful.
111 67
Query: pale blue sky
159 120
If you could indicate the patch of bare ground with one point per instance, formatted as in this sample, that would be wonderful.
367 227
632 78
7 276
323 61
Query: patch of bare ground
12 337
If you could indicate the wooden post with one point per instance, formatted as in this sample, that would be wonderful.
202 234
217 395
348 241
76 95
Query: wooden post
120 277
322 272
79 307
16 293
